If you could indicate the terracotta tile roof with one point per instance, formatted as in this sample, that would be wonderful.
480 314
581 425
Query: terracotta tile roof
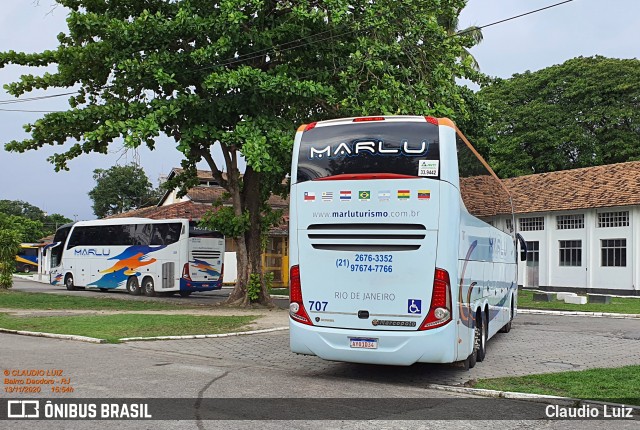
205 194
590 187
191 210
188 209
484 197
209 194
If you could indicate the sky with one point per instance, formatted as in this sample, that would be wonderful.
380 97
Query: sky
533 42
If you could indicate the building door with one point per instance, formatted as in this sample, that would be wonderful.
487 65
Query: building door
274 260
533 264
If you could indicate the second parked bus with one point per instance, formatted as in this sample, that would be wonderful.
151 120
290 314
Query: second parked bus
139 254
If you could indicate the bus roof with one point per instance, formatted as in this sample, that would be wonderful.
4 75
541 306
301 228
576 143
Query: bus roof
377 118
131 220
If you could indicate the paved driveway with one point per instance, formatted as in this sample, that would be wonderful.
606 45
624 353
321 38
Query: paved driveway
537 344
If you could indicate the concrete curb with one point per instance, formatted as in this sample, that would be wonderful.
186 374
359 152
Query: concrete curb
135 339
538 398
578 314
204 336
54 335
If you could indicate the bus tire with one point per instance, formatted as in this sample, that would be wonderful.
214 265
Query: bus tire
68 282
185 293
473 357
482 329
133 286
26 268
148 288
507 327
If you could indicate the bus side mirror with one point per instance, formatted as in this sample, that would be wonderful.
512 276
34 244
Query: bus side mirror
523 247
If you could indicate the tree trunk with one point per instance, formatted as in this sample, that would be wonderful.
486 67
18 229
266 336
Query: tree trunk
239 294
249 253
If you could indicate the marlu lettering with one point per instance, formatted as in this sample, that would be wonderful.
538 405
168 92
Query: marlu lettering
92 251
377 148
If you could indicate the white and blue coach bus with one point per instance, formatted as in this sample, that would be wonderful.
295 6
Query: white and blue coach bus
139 254
402 247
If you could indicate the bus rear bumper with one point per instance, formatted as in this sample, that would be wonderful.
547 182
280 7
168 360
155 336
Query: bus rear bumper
186 285
398 348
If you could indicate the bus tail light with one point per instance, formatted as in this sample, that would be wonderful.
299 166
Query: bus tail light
431 120
440 309
185 272
296 306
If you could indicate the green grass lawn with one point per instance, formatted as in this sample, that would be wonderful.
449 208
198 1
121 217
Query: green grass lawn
21 300
617 385
618 304
114 327
279 291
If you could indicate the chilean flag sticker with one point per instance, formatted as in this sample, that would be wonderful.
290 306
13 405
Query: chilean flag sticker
309 196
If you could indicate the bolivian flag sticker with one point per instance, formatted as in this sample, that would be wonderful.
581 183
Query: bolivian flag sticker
404 194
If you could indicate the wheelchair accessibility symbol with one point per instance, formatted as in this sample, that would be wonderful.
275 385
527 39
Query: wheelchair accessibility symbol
414 306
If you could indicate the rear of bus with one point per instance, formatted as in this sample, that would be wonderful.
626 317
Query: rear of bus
27 258
204 268
373 234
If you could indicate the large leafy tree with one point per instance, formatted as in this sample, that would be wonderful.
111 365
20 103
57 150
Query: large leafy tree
120 189
27 229
30 221
584 112
9 247
241 76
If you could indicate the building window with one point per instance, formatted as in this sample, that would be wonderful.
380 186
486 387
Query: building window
614 252
531 224
509 224
571 253
566 222
533 253
613 219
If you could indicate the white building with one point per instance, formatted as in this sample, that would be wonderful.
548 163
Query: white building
582 228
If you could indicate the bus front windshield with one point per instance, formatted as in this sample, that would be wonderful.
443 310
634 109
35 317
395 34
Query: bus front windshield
402 148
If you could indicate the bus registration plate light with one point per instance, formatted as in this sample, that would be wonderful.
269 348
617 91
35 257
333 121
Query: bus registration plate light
363 342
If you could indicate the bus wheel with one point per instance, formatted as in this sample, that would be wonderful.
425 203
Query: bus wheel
133 287
473 357
68 282
147 286
482 332
507 327
185 293
26 268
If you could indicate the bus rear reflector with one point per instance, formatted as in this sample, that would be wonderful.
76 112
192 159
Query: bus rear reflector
296 306
369 118
440 309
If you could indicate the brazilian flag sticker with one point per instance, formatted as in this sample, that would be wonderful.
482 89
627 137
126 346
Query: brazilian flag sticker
364 195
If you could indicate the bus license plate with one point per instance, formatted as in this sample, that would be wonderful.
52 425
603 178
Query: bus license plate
364 342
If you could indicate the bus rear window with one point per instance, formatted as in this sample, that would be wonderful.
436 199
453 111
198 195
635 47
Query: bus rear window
403 148
196 231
